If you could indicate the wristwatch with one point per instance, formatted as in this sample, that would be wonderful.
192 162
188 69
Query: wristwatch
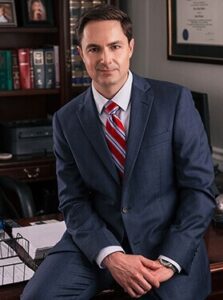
167 264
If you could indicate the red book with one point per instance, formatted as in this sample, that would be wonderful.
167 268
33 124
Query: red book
24 68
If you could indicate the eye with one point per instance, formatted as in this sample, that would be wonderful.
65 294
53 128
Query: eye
93 49
115 47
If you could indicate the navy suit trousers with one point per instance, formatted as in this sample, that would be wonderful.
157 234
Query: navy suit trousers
70 276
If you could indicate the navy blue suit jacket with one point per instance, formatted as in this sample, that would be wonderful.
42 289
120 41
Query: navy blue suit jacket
164 203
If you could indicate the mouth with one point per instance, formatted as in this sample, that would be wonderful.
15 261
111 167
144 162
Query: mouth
106 71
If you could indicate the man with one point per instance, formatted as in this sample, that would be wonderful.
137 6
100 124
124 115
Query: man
134 180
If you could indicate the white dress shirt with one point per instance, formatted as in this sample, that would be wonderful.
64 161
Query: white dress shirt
122 99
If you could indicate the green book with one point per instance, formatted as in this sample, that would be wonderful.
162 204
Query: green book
6 79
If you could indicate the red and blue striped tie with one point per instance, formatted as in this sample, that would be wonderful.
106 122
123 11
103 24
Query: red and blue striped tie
115 136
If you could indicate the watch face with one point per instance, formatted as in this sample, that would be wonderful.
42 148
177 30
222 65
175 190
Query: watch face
167 264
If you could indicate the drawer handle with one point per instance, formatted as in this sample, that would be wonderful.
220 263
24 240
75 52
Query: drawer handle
33 174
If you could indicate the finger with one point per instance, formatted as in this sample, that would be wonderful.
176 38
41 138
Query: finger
133 293
152 264
143 284
139 284
152 279
141 288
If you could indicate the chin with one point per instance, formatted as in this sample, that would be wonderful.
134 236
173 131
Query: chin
107 83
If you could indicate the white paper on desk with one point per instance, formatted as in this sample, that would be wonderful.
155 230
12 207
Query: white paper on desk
5 251
12 269
41 237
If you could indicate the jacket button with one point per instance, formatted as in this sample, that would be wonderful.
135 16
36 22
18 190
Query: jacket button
124 210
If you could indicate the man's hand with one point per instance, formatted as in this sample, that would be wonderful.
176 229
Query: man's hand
162 273
135 273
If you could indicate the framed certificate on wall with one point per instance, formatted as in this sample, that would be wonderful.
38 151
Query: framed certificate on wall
195 30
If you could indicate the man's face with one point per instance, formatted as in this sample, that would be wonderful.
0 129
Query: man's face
106 53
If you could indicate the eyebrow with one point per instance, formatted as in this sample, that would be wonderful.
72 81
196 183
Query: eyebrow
98 46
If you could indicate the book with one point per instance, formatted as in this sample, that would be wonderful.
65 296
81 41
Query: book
76 61
24 68
98 2
76 67
75 11
77 78
39 69
6 70
49 68
85 5
15 70
79 75
40 237
57 65
31 68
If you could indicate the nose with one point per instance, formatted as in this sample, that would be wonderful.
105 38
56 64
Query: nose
106 57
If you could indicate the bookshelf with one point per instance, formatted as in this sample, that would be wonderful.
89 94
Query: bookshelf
41 102
23 104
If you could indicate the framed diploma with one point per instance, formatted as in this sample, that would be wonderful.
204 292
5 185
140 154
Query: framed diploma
195 30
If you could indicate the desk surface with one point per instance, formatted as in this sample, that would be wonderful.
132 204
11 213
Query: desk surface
213 238
214 242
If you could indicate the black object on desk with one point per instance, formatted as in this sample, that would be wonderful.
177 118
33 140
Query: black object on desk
27 136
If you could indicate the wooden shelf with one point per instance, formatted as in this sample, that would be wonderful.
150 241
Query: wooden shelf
28 30
29 104
29 92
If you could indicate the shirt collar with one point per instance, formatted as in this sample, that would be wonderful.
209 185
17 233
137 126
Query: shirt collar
122 98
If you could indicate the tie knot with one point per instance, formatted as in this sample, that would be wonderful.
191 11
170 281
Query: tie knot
111 108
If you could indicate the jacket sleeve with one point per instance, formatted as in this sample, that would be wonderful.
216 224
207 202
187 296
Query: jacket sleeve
194 177
88 231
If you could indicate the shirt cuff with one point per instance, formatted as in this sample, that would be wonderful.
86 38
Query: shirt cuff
178 267
105 252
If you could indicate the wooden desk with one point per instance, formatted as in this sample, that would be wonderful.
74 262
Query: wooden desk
29 168
13 291
214 242
219 181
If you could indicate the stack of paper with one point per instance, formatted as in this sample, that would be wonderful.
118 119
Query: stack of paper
40 237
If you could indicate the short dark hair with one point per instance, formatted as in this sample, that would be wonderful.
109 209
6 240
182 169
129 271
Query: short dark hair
104 12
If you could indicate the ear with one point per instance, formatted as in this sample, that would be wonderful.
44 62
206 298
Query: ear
80 52
131 47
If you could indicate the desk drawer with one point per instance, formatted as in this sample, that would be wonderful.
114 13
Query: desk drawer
30 172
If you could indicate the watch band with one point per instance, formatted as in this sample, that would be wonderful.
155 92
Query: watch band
167 264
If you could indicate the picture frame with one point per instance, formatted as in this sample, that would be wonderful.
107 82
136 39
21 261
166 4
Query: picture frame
8 16
195 31
37 13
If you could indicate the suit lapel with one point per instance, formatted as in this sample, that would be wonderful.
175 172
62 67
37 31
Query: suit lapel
141 103
92 127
